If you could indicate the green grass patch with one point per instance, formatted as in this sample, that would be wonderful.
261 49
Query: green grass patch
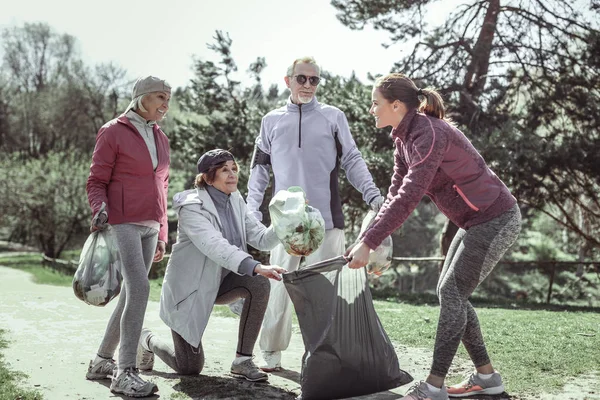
9 389
534 350
41 274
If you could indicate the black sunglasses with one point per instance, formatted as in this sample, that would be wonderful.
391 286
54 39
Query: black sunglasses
301 79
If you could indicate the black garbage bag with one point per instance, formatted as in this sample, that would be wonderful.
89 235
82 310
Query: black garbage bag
347 351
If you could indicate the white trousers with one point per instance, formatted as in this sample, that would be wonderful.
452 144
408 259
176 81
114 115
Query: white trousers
277 325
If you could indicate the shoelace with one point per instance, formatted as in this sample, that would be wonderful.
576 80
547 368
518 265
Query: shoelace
132 378
146 356
470 382
417 389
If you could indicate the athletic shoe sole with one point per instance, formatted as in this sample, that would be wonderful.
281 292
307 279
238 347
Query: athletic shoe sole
489 391
242 376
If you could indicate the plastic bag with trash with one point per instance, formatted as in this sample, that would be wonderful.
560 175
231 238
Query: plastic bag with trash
299 227
380 259
347 351
98 278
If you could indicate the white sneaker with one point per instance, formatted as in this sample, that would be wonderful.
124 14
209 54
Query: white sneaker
144 359
272 361
420 391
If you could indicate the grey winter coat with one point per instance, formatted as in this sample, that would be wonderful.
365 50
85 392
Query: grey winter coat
198 259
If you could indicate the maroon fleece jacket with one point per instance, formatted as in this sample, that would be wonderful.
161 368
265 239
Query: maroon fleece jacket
434 158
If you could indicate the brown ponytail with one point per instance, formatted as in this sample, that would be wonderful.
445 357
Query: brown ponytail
399 87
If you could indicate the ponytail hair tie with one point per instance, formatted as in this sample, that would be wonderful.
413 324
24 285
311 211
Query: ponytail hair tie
420 92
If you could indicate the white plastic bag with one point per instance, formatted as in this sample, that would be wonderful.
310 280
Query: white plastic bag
380 259
98 278
298 226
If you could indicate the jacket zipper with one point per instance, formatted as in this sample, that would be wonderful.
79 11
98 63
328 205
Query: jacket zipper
300 127
461 194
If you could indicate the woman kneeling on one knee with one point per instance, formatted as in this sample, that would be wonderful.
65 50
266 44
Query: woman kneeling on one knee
210 265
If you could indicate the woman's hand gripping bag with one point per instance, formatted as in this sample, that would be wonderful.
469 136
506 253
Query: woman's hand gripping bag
98 278
380 259
299 227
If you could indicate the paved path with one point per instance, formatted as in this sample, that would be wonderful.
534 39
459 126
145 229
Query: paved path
52 336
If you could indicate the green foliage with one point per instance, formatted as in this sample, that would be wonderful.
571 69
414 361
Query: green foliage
522 81
44 201
231 113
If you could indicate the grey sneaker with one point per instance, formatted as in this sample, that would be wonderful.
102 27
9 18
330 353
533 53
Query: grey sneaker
476 385
249 371
101 370
144 359
420 391
272 361
130 384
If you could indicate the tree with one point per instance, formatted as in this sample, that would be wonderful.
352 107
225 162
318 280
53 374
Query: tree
51 100
521 79
220 112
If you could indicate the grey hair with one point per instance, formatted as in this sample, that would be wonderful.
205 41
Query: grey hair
303 60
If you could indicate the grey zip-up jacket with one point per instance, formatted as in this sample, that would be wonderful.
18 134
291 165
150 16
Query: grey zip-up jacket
305 145
200 257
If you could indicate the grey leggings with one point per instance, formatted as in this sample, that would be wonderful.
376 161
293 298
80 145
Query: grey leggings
188 360
137 245
471 257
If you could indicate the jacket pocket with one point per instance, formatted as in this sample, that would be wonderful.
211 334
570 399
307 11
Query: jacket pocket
179 303
464 197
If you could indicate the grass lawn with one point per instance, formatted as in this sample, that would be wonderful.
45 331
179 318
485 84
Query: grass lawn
9 389
536 350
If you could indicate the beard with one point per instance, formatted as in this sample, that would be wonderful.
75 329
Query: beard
304 99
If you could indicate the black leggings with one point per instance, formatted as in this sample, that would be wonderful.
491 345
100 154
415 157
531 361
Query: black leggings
188 360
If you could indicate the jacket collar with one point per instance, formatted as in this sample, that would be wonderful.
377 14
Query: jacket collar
305 107
135 117
401 131
220 199
124 120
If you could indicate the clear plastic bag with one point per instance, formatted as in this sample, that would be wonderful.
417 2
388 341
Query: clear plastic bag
380 259
300 227
98 278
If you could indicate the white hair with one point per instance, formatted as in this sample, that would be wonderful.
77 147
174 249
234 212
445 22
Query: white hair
137 103
303 60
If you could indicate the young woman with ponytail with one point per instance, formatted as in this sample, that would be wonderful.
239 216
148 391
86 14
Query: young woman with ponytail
432 157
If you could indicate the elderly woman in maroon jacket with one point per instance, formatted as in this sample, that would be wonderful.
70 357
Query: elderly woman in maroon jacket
130 174
434 158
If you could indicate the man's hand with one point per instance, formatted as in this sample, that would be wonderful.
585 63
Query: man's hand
377 203
270 271
159 254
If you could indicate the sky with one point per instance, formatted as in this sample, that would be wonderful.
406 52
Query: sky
162 38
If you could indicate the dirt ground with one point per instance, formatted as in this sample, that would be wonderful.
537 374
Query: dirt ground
52 336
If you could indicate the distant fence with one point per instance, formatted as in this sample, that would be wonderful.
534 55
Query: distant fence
70 266
550 266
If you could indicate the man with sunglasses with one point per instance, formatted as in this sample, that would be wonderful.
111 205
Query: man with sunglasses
304 143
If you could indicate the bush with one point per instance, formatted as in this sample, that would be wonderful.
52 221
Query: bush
43 201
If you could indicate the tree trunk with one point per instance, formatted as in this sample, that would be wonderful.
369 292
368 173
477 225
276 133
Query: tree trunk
477 70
